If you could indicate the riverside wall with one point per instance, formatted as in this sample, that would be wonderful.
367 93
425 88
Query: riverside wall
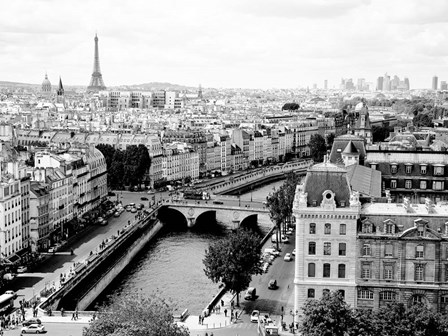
119 266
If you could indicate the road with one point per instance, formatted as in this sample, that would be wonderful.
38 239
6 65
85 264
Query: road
29 284
66 329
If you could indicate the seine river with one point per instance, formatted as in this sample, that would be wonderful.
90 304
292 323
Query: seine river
172 265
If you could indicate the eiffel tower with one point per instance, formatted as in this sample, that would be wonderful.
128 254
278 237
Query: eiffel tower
96 82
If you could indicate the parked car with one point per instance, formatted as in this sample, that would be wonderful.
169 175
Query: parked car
218 202
144 198
31 321
272 284
133 210
11 292
287 257
22 269
294 252
254 316
117 214
33 329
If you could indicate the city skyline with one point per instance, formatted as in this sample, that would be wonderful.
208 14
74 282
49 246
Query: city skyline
230 44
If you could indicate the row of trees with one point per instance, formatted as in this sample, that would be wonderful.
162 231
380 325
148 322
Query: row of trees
128 167
332 316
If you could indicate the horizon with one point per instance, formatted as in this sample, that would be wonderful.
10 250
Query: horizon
282 45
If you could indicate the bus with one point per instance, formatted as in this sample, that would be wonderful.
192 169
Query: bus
6 303
193 194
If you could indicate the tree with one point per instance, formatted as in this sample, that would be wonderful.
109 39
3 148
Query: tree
233 260
365 323
318 147
108 152
329 140
422 120
133 315
329 316
290 106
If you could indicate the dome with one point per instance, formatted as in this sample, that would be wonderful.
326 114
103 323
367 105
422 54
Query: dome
359 106
46 85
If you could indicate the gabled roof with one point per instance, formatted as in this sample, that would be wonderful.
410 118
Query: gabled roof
350 149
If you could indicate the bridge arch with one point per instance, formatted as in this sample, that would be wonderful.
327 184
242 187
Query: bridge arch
205 218
172 217
250 222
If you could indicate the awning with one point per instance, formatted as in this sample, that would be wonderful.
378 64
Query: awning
13 259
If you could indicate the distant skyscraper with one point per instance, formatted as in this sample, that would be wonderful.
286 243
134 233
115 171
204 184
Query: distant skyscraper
443 86
200 92
361 83
314 86
379 83
406 82
386 82
96 82
325 84
435 80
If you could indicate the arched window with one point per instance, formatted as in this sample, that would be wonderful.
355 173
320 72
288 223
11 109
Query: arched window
311 270
342 229
365 294
366 250
341 292
326 271
312 228
311 293
341 271
327 228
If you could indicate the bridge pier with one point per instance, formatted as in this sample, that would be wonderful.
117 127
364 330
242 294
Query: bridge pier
235 224
191 221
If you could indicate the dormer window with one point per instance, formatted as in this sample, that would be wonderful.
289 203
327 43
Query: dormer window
367 228
390 228
420 231
423 169
438 170
393 168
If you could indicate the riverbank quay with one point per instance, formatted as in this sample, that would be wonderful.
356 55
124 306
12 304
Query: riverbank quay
90 276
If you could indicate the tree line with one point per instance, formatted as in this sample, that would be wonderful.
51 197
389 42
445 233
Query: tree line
129 167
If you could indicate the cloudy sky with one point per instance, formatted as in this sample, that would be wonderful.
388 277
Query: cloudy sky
227 43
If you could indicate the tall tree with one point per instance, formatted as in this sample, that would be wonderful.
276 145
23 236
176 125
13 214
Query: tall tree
318 147
133 315
233 260
329 316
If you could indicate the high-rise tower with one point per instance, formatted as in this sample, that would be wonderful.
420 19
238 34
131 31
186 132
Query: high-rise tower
96 82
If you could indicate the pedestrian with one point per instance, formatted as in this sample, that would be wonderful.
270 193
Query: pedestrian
73 316
206 334
76 313
225 312
222 303
62 311
199 319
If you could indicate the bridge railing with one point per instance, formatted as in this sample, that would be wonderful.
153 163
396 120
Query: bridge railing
260 208
267 172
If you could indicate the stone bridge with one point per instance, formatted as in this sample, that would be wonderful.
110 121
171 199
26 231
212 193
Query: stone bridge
230 215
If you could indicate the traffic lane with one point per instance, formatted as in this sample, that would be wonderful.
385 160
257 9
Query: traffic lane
29 284
66 329
268 300
228 202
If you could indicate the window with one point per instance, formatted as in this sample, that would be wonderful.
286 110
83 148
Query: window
311 270
342 229
423 184
393 184
419 272
408 169
341 271
342 249
367 228
438 171
366 250
446 272
437 185
420 231
388 272
312 248
393 169
327 228
325 291
418 299
312 228
373 165
423 169
388 250
388 296
327 248
408 184
341 292
390 228
365 294
326 273
366 271
311 293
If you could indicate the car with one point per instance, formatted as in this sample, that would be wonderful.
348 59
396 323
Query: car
287 257
110 193
140 206
254 316
294 252
128 208
218 202
22 269
144 198
133 210
117 214
51 250
251 293
289 232
11 292
31 321
33 329
131 204
272 284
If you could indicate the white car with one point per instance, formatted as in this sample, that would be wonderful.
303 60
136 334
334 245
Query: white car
287 257
22 269
33 329
254 316
294 252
